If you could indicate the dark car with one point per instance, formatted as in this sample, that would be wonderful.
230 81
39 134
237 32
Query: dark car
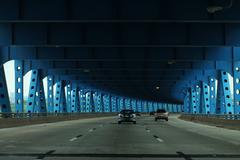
126 115
151 113
161 114
138 113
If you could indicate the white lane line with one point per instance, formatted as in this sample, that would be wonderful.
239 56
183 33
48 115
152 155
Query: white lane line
90 130
159 139
73 139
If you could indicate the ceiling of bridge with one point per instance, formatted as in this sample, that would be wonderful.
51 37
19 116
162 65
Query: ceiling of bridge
142 48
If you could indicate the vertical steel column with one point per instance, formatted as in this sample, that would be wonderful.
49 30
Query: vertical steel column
121 103
69 104
37 99
158 105
170 107
50 96
237 87
145 106
134 105
78 104
82 100
198 99
57 96
175 109
95 101
32 91
74 98
213 94
126 105
161 106
42 99
113 103
155 106
151 106
187 103
18 65
88 101
117 104
63 104
110 103
106 103
193 101
100 102
206 98
178 108
4 98
91 102
227 93
139 109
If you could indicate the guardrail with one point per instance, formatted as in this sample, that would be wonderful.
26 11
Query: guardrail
219 116
35 115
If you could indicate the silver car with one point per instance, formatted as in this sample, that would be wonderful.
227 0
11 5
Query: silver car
161 114
126 115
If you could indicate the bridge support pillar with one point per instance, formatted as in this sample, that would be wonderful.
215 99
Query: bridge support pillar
18 65
236 87
57 97
206 98
50 102
193 107
32 91
74 98
68 101
228 104
213 94
82 100
4 98
40 96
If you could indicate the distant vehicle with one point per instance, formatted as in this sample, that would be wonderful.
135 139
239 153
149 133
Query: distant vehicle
161 114
151 113
126 115
138 113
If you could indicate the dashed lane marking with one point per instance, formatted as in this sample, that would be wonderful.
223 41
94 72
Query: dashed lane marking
75 138
157 138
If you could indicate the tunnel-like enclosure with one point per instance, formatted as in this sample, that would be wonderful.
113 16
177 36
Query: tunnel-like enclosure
104 56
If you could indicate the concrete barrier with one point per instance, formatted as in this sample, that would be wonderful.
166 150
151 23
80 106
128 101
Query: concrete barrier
213 121
14 122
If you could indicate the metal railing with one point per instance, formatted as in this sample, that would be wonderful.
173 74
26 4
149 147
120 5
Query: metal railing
36 115
219 116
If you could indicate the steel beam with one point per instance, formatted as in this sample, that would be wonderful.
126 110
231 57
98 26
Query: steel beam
50 96
32 91
18 68
4 99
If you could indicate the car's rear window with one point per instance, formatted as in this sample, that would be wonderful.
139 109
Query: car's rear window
126 112
161 111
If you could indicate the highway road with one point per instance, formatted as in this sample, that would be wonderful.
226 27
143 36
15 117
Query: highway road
102 138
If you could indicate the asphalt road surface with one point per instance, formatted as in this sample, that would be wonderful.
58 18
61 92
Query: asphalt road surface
103 138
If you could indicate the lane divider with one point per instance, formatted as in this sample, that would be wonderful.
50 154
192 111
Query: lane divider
78 136
157 138
147 129
75 138
92 129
